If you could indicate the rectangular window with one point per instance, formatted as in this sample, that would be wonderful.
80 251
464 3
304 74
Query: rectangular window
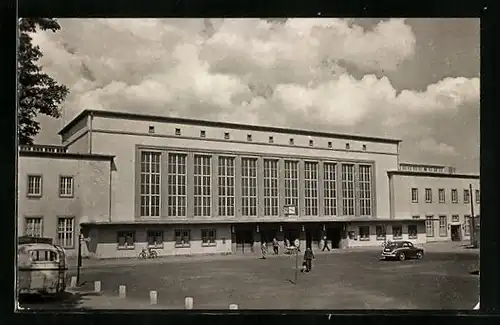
429 226
311 188
202 186
34 185
155 239
397 232
126 239
466 196
249 186
150 184
455 218
271 139
226 186
203 134
249 137
443 226
291 141
477 197
428 195
330 145
347 190
292 183
441 195
414 195
454 195
208 237
66 186
467 225
177 197
182 237
364 233
330 189
380 230
65 232
311 143
412 232
365 193
271 206
34 227
177 131
226 135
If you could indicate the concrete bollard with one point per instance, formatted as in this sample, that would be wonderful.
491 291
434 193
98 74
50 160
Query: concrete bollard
188 303
97 286
122 291
73 283
153 297
233 306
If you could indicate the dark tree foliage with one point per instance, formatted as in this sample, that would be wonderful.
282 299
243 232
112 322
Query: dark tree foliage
38 92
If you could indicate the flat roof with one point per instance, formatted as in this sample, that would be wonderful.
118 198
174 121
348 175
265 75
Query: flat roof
431 174
155 118
65 155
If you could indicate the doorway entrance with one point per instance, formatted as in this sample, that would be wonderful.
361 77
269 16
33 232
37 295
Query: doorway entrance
313 237
244 240
334 233
455 233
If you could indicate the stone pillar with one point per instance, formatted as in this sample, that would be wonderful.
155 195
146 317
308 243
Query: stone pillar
302 238
256 241
233 239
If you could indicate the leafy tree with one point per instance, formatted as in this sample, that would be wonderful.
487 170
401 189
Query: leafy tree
38 92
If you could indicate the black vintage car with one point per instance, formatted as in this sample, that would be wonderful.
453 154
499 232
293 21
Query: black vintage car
401 250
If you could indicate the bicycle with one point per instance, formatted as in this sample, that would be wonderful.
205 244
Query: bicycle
148 253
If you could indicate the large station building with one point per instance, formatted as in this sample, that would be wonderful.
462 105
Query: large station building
181 186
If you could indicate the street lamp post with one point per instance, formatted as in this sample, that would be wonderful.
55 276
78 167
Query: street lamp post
79 258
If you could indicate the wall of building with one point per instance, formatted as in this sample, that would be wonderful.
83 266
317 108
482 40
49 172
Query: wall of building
75 137
90 187
405 208
104 243
373 241
123 146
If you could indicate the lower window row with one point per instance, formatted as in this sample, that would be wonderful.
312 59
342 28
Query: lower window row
397 232
155 238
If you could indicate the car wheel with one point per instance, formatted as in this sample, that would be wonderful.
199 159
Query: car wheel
401 256
420 255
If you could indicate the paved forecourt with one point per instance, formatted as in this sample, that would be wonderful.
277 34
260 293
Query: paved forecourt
352 280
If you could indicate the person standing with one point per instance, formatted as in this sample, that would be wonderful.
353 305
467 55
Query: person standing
275 246
263 249
325 244
308 257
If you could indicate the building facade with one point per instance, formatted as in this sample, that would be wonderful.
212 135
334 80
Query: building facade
191 187
58 190
437 195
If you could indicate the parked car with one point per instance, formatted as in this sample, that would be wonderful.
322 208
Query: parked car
401 250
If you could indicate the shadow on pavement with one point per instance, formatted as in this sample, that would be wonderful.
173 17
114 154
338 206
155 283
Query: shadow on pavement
65 300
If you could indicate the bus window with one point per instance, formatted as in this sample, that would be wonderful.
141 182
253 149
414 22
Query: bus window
43 256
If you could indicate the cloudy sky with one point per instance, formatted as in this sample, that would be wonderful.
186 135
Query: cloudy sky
413 79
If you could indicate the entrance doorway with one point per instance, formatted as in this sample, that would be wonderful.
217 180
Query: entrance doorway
291 235
335 235
244 240
455 233
313 237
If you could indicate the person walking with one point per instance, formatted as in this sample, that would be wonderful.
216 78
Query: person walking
263 249
308 257
275 246
325 244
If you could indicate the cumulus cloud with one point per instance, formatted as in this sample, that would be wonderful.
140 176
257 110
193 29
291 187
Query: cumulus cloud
432 146
284 73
